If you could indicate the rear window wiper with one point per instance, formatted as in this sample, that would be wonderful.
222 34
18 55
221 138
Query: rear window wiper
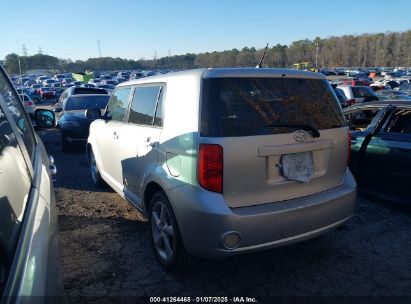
314 131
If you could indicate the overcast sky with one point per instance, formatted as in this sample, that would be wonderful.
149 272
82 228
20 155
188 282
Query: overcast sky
141 29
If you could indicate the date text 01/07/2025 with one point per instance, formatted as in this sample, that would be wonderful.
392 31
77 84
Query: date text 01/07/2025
203 300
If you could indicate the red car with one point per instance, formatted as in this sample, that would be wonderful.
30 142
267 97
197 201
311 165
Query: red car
46 93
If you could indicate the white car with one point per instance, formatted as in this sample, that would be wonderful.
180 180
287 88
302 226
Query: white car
358 94
225 161
48 82
28 104
40 79
94 81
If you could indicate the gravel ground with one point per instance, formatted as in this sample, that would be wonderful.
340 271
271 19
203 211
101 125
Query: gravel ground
107 257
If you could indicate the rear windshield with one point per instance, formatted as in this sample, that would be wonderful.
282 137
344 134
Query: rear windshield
251 106
361 92
86 102
88 91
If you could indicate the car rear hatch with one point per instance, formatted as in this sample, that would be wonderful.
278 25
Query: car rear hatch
281 137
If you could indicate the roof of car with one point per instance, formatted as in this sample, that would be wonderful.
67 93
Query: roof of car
229 72
380 103
350 86
88 95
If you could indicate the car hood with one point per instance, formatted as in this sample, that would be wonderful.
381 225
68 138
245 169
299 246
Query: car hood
75 115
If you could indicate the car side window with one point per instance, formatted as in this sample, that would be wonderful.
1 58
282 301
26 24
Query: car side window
146 106
400 122
360 120
118 103
19 115
360 92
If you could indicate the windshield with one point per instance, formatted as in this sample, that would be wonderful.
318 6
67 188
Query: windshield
258 106
86 102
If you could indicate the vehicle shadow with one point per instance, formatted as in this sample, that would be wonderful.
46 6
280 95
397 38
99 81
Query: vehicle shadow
395 206
112 257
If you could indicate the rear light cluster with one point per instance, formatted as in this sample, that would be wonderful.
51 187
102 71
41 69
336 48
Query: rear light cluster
210 167
29 103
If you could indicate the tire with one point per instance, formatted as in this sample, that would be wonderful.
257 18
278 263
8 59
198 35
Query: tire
165 235
95 172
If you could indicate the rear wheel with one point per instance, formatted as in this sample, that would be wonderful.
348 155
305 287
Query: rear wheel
95 173
165 235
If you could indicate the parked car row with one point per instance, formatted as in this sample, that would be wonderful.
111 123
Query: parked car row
359 90
249 159
365 72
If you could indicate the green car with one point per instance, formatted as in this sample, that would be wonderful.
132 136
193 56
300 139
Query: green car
381 148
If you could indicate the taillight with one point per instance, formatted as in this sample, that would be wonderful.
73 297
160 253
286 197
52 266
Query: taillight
349 147
351 101
29 103
210 167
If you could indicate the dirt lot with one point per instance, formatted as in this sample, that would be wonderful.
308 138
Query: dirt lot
106 253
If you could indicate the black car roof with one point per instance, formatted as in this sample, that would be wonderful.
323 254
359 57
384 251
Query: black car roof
88 95
380 103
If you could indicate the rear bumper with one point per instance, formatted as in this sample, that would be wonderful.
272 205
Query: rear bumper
204 218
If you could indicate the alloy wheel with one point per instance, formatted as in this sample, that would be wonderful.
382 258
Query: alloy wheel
162 230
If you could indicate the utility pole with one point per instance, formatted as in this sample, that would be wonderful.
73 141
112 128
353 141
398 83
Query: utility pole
317 48
18 55
99 49
169 53
40 51
155 55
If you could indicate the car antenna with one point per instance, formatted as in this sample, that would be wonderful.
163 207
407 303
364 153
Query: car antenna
260 64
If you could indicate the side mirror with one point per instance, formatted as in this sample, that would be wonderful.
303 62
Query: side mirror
93 114
45 119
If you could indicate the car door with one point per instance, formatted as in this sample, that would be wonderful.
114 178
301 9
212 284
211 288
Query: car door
387 161
362 121
17 145
110 129
140 139
13 171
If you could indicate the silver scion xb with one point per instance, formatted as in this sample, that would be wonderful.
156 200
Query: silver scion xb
226 161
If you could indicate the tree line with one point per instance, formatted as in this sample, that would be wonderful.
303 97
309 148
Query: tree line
366 50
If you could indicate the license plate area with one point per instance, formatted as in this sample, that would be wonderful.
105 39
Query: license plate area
298 166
